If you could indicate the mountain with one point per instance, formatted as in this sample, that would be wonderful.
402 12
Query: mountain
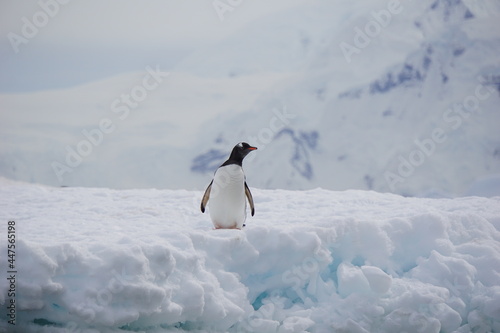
371 95
407 116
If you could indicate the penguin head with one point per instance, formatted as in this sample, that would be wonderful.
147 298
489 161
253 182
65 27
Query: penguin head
239 152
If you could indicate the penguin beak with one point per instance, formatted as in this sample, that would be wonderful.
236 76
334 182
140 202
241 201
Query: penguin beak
252 148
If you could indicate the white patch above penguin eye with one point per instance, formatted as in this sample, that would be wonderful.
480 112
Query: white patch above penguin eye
240 144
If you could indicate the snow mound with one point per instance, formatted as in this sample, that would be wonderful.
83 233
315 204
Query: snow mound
101 260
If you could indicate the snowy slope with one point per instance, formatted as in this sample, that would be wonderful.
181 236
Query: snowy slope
433 67
281 81
101 260
40 129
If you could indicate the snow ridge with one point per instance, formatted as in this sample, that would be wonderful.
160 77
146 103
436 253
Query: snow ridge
99 260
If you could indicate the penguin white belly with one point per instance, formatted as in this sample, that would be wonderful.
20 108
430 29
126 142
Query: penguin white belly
227 197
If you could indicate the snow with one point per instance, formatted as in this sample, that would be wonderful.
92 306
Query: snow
354 122
487 186
105 260
137 118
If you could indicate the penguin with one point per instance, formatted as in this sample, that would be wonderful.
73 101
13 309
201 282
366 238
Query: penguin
227 191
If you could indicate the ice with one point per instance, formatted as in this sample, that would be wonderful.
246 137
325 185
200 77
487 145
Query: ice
351 279
103 260
295 324
110 253
380 282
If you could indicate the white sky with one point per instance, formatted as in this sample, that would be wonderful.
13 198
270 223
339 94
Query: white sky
94 22
87 40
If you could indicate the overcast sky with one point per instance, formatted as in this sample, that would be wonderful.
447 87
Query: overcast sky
86 40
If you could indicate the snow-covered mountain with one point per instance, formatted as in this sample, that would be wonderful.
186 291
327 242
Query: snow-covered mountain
101 260
399 98
366 123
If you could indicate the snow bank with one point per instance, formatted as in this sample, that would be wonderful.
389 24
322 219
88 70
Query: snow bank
100 260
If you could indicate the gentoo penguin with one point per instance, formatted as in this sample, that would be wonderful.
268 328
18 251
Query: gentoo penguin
227 191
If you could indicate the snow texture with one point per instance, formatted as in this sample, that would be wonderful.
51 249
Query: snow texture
104 260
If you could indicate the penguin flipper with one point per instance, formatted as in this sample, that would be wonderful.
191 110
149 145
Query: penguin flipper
250 198
206 196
